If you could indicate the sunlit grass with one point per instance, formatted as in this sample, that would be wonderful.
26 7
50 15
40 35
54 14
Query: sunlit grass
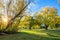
34 32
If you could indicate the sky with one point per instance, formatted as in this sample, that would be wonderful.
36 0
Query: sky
38 4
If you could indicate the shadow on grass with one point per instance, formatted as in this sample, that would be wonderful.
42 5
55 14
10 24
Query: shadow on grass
25 36
55 33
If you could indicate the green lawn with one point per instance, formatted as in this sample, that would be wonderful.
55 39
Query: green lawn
33 35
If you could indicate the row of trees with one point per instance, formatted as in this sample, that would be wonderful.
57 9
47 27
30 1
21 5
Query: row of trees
46 18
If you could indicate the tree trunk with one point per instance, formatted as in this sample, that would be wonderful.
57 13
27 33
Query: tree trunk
46 27
30 27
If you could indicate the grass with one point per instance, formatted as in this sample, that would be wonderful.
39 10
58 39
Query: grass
33 35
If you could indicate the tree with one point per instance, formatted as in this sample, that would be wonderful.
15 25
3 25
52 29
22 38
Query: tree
48 14
38 19
12 20
31 23
12 8
26 21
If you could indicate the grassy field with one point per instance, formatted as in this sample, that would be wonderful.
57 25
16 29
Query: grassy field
33 35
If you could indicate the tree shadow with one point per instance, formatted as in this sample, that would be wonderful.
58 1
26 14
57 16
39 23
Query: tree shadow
52 33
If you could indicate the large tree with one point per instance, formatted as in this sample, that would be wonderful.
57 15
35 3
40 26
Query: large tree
47 16
11 9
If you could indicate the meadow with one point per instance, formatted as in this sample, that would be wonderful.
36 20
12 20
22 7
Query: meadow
33 35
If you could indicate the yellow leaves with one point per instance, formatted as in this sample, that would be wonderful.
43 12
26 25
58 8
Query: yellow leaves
26 21
57 19
48 15
53 11
27 18
46 9
49 10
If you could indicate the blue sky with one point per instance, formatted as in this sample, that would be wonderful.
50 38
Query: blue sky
43 3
